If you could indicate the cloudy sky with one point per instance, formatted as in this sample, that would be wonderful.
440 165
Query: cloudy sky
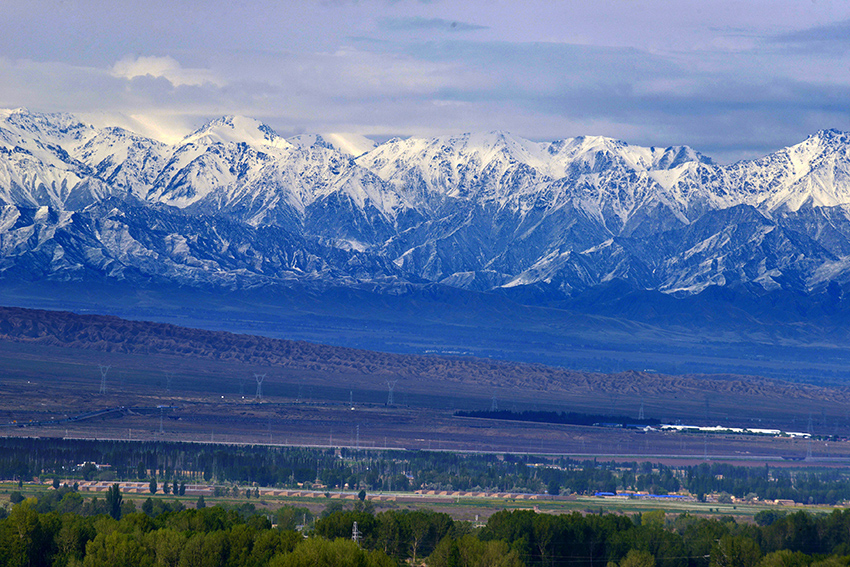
734 79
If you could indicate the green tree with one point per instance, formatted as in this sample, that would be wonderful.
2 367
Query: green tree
785 558
425 529
128 507
72 537
289 517
116 549
114 500
192 554
545 528
735 551
635 558
319 552
205 549
152 486
26 541
653 519
269 543
391 534
71 502
768 517
469 551
167 545
88 471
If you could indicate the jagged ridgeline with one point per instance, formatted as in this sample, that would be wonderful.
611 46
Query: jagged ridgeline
234 205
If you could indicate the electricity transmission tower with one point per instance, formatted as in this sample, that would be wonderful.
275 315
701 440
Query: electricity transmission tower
259 378
391 386
809 443
103 371
355 534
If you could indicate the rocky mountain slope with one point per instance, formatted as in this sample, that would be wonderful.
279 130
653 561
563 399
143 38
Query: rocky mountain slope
234 205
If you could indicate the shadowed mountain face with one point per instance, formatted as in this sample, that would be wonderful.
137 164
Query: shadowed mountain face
588 230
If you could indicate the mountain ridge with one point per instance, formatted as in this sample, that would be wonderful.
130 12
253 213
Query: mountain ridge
482 211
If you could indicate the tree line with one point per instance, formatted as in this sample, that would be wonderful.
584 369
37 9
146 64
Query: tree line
75 532
174 464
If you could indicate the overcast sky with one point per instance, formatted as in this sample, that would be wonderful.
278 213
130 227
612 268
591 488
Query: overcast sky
734 79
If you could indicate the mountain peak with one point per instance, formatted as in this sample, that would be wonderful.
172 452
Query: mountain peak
7 112
491 140
55 125
236 129
353 145
830 135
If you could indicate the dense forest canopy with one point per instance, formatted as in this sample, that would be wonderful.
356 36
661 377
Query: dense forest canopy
72 531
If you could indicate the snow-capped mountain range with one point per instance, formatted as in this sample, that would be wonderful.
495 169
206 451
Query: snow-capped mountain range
235 205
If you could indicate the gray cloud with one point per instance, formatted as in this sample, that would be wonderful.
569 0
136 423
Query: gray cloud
717 77
836 32
428 24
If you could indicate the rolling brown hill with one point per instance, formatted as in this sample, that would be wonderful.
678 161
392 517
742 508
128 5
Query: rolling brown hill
115 335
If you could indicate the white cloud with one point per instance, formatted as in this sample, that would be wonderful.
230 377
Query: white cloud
729 78
168 128
163 67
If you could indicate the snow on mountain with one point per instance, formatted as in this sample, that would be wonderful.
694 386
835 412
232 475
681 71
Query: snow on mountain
38 167
236 130
123 159
477 210
604 177
353 145
195 172
489 166
814 172
47 128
